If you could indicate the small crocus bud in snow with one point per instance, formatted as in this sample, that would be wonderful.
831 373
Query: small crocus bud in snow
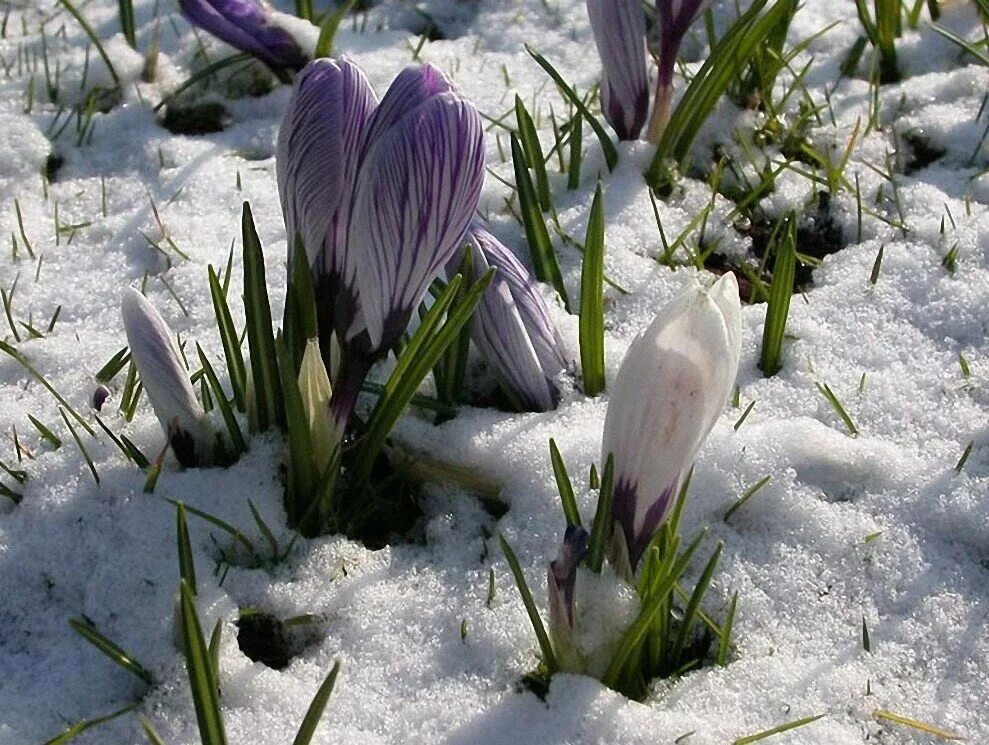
619 28
674 17
314 385
251 26
512 327
670 390
100 395
588 612
166 381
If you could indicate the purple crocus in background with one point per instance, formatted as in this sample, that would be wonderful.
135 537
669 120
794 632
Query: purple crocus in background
671 388
382 197
166 381
619 28
620 34
251 26
512 327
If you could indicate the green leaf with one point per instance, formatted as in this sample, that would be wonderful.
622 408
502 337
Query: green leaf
776 730
78 728
780 292
149 732
93 38
592 300
91 634
607 146
230 340
206 72
299 320
694 604
233 428
201 678
576 151
302 476
529 139
549 658
187 566
540 246
116 363
328 30
603 521
315 712
564 485
260 337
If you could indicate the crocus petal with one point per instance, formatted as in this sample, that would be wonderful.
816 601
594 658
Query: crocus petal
248 25
619 28
512 327
675 17
166 380
416 193
100 396
670 390
318 144
560 582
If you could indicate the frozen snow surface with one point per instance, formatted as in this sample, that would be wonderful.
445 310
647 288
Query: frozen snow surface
878 527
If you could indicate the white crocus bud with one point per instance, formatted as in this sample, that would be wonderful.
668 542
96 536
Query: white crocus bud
166 381
314 385
672 386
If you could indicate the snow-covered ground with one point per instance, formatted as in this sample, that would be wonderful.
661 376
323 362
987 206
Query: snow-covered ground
878 527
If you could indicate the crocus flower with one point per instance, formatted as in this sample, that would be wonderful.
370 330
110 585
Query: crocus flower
390 188
100 396
251 26
619 28
674 18
166 381
512 327
670 390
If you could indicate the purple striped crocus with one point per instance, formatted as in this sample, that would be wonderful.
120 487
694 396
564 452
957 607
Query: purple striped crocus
561 581
670 390
382 196
251 26
619 28
166 381
512 327
674 17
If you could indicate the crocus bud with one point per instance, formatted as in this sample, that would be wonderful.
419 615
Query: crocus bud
251 26
619 28
166 381
560 583
670 390
512 327
100 395
674 18
314 385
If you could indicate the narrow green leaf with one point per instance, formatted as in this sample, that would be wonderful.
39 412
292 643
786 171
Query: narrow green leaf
20 358
315 712
187 566
230 340
92 635
200 671
84 24
780 292
45 432
549 658
233 428
540 245
302 476
603 521
576 151
564 485
78 728
529 139
929 729
328 30
724 638
150 734
82 448
777 730
116 363
592 300
694 604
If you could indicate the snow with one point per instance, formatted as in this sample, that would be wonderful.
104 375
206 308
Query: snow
877 527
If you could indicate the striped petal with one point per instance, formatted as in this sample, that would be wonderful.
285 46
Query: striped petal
248 25
318 146
416 193
512 327
675 17
619 28
166 380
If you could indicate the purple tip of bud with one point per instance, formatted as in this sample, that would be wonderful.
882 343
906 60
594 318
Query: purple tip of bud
619 28
675 18
418 186
100 395
562 577
637 537
247 25
512 327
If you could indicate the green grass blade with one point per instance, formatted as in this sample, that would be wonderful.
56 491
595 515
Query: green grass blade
549 658
116 363
778 307
150 734
564 485
230 340
82 448
206 72
201 679
607 146
45 432
592 300
260 337
694 604
302 476
776 730
233 428
7 348
529 139
536 234
77 729
576 151
84 24
92 635
328 31
724 638
603 521
127 22
187 566
316 708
